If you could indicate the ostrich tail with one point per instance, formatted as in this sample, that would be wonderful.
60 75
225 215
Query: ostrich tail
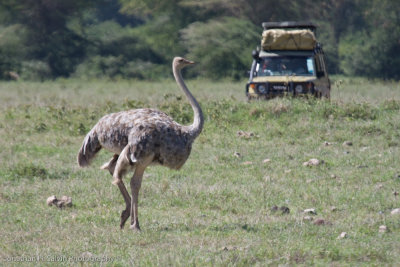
90 147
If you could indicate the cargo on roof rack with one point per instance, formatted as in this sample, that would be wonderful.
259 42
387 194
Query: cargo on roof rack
290 25
278 39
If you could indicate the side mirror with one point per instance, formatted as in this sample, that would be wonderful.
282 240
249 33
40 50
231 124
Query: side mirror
255 55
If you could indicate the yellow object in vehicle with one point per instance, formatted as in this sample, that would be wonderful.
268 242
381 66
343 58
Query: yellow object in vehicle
277 39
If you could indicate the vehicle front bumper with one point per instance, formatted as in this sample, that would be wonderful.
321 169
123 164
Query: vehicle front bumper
273 89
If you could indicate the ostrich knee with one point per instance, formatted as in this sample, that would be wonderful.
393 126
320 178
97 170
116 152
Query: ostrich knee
121 166
110 166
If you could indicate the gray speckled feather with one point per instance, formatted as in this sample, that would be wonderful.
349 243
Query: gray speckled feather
146 131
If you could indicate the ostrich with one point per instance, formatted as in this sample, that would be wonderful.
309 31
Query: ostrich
139 138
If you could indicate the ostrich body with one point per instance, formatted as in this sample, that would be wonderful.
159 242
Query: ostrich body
139 138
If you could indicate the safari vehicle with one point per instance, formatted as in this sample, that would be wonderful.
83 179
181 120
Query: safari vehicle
289 62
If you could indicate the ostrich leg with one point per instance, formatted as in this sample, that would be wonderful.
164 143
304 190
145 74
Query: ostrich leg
110 166
136 182
125 213
119 167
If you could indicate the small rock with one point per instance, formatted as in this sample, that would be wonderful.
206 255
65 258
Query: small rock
333 209
237 154
245 134
310 211
284 210
288 171
327 143
308 218
333 176
319 222
383 229
65 201
395 212
274 208
51 200
266 160
247 163
395 193
342 235
228 248
347 143
313 162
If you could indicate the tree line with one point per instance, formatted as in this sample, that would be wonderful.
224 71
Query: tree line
46 39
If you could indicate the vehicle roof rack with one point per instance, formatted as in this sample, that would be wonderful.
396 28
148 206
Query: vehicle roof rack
290 25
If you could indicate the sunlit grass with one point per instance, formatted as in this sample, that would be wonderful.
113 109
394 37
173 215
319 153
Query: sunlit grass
217 209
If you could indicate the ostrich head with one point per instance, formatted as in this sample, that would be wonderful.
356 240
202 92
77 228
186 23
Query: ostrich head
180 62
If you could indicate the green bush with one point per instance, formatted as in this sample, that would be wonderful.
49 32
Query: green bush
12 49
119 67
119 52
222 47
35 70
373 51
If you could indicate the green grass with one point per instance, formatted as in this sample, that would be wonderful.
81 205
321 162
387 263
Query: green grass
216 210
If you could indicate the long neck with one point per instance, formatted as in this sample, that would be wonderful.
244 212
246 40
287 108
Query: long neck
197 126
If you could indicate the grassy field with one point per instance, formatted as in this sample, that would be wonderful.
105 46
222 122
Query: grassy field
218 210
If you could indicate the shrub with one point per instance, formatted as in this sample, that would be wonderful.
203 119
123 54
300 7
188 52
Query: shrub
224 46
35 70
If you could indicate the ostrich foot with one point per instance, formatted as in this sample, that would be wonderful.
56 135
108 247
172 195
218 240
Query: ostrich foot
124 217
135 227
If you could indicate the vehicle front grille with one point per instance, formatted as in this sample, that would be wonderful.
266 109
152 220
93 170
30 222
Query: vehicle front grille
277 87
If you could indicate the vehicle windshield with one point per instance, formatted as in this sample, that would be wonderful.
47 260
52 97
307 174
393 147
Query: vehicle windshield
285 65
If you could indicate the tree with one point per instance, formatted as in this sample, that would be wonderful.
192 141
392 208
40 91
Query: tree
373 51
48 34
223 47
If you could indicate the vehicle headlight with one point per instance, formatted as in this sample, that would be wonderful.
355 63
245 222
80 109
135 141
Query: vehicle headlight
298 88
262 89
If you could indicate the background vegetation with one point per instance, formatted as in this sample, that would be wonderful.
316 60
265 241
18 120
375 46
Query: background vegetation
46 39
218 210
